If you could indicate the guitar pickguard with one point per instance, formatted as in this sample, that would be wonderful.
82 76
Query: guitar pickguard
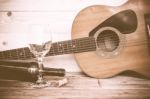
125 21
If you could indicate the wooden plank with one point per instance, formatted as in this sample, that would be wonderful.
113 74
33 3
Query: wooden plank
120 82
52 5
75 81
60 22
38 16
77 93
17 25
82 87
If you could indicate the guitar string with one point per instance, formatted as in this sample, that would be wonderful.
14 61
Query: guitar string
84 42
76 51
132 42
89 48
57 51
80 49
24 55
58 54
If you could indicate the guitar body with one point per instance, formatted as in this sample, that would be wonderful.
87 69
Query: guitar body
135 53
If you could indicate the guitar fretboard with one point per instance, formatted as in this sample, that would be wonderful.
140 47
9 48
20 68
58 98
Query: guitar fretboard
57 48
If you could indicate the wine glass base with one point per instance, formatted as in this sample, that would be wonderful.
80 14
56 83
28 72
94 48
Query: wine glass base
51 83
41 84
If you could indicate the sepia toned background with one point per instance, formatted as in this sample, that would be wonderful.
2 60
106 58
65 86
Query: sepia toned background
15 17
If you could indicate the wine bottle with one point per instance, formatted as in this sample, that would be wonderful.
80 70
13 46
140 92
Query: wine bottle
25 71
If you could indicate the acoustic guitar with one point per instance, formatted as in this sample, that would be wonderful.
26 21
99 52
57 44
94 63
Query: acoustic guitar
121 37
106 40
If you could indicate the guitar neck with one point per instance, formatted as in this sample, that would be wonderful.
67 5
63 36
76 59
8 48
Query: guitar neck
57 48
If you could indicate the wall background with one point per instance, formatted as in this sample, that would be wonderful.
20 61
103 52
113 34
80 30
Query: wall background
15 15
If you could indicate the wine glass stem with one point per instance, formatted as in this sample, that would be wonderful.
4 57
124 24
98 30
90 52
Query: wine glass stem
40 65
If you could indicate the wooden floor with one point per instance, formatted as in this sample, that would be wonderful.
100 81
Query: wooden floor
80 86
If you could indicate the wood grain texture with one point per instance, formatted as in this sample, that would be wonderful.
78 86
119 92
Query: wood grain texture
81 87
134 58
49 5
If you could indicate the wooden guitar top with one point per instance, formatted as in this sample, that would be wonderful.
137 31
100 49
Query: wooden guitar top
135 53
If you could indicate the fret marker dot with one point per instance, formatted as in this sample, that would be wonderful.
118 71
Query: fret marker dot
73 46
20 54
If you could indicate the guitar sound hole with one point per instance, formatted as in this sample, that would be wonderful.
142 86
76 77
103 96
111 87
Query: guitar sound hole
108 41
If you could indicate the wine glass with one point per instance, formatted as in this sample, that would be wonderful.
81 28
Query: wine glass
39 44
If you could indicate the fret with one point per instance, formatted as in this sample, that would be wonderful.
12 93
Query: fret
11 55
17 54
77 45
83 44
70 47
6 54
1 55
86 44
14 54
74 45
56 49
60 47
28 54
52 51
65 47
92 44
21 54
59 51
23 49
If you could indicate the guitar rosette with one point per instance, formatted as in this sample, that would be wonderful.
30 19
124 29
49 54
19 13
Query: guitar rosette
109 42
